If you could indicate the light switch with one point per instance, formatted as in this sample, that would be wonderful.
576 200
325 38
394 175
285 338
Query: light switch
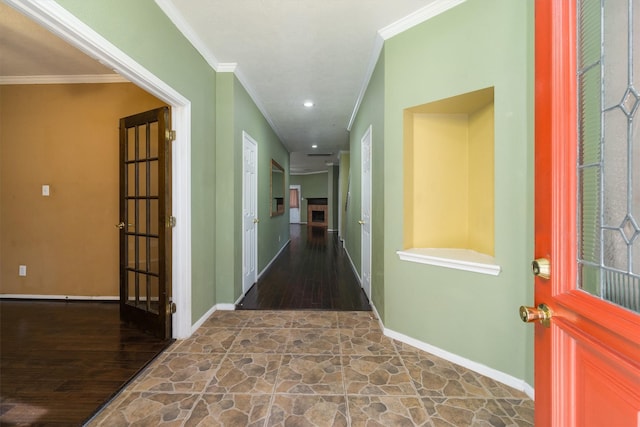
45 190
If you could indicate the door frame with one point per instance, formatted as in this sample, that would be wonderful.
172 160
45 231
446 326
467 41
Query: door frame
68 27
299 188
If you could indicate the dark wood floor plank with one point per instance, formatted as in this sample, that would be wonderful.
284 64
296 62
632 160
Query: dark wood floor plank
312 272
61 361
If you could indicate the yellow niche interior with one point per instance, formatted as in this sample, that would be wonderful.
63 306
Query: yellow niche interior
449 173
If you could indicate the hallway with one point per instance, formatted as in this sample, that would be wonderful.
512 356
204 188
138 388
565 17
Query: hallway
313 272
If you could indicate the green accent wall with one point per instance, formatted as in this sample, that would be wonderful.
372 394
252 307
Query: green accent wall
478 44
315 185
273 232
371 113
143 31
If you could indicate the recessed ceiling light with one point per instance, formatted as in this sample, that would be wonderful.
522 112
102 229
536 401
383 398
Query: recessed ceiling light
314 146
308 104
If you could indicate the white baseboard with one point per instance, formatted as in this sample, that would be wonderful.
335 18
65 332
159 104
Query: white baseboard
274 258
61 297
353 266
481 369
204 317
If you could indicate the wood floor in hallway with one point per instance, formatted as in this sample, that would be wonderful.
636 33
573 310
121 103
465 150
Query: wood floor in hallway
313 272
61 361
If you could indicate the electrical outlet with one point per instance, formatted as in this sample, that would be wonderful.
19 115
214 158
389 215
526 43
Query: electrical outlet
22 270
45 190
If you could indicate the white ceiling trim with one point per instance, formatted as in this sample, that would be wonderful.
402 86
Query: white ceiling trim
178 20
409 21
418 17
43 80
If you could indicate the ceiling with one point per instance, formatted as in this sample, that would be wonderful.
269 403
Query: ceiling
284 52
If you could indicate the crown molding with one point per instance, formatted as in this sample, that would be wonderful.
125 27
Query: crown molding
178 20
73 79
227 67
409 21
418 17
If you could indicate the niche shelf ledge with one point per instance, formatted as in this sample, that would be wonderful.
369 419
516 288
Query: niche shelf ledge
458 259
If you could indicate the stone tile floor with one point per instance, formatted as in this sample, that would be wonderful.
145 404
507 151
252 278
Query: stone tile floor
308 368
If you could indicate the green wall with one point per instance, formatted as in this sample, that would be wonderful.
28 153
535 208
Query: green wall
371 113
221 109
273 232
313 185
478 44
120 22
237 113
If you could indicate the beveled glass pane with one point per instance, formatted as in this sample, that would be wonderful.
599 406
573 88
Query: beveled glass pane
589 86
142 145
589 33
589 217
142 253
131 144
153 216
142 179
153 142
154 293
615 168
131 179
615 250
154 255
131 251
616 51
609 135
142 214
143 298
153 177
131 215
131 288
590 279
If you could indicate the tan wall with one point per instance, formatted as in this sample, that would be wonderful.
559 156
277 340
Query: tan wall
64 136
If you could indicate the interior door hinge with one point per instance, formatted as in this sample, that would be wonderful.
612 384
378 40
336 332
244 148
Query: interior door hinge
171 222
171 135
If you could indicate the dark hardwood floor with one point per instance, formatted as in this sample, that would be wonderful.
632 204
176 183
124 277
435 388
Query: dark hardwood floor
313 272
61 361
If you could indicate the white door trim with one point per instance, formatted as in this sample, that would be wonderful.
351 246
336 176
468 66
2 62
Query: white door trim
59 21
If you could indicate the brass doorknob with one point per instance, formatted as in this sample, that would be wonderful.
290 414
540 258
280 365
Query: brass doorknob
531 314
541 267
256 220
361 222
121 225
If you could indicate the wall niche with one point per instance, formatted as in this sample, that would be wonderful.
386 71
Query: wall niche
449 181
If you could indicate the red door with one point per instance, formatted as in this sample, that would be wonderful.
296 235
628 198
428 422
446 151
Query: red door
587 198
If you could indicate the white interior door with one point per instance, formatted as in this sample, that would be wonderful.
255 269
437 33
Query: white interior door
294 212
249 212
365 219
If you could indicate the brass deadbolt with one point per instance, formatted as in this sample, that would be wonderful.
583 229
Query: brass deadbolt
541 267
